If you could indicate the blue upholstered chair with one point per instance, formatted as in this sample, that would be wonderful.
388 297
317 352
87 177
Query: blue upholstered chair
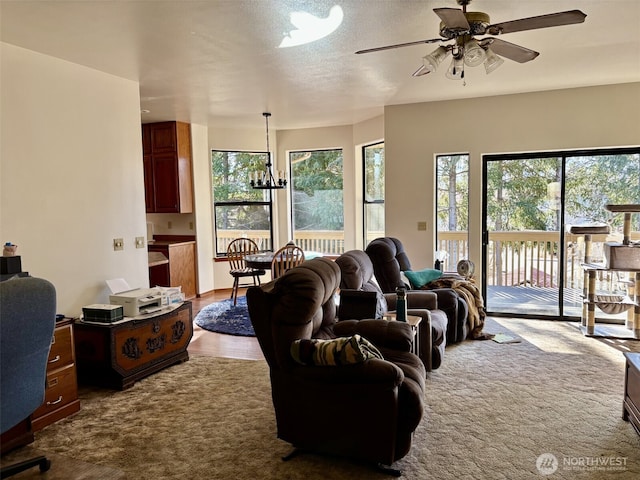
27 321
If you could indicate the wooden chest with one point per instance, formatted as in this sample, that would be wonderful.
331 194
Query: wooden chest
117 355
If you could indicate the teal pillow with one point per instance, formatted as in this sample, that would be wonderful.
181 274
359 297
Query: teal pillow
420 278
338 351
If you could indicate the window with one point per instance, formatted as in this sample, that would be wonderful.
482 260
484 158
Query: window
317 200
239 210
452 203
373 178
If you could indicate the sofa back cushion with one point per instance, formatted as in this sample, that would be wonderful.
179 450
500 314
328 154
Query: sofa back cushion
303 305
356 273
389 261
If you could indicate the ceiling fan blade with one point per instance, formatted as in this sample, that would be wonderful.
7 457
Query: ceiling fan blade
453 18
543 21
400 45
510 50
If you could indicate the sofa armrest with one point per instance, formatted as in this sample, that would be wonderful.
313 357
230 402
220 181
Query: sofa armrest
382 333
374 373
426 299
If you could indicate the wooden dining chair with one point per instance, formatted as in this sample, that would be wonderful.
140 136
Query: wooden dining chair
286 258
236 251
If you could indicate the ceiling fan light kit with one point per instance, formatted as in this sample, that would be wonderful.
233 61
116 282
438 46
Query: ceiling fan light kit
434 59
492 62
456 69
461 27
474 54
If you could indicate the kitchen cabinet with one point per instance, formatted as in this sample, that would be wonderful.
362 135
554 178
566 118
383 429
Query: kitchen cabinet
179 271
168 183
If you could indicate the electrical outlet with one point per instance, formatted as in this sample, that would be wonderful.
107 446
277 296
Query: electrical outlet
169 225
118 244
139 242
422 226
190 225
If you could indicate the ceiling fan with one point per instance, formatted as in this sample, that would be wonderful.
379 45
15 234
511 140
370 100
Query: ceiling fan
461 27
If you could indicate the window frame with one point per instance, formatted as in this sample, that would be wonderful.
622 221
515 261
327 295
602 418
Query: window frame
365 202
291 213
239 203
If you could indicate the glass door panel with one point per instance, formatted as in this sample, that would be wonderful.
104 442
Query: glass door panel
522 236
593 180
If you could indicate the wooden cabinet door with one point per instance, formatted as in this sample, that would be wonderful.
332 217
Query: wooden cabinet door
149 190
166 183
163 137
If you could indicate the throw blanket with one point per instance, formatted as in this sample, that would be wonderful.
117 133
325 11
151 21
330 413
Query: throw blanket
470 292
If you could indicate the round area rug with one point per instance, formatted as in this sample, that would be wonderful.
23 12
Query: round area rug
224 317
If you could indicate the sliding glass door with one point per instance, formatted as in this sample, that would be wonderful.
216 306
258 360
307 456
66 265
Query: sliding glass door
532 263
522 235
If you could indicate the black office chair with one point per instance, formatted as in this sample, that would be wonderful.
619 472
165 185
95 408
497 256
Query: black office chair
28 307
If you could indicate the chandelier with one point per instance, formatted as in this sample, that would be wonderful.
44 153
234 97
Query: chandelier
264 179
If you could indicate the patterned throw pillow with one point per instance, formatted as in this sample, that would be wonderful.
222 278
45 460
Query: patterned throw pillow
335 352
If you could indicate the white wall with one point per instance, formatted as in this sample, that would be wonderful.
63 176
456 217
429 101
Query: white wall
71 175
593 117
340 137
348 137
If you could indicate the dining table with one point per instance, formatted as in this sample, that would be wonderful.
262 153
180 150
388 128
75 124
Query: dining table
259 260
263 260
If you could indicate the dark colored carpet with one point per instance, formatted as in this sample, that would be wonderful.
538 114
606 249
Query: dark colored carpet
224 317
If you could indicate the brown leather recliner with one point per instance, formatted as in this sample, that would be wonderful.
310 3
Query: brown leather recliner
366 411
357 275
390 259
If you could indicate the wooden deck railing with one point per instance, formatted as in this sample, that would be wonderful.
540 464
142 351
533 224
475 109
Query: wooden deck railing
514 258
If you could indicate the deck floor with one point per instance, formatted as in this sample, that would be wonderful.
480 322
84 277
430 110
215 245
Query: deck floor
543 301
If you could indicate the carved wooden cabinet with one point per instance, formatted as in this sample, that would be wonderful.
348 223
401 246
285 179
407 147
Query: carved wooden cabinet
117 355
166 148
61 393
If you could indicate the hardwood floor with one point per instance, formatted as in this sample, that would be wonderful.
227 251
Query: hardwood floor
219 345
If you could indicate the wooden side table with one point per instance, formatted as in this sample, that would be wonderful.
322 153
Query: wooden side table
631 404
61 392
414 321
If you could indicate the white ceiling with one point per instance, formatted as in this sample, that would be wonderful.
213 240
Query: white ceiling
216 62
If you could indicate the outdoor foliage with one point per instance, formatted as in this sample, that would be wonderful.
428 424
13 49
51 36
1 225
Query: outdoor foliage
374 188
237 205
521 194
317 184
453 192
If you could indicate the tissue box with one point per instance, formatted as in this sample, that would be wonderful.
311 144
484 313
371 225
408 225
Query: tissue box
103 313
621 257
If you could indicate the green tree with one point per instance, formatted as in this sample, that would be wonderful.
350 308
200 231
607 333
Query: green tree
317 190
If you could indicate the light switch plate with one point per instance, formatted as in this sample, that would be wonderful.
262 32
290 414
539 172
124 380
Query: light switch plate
422 226
139 242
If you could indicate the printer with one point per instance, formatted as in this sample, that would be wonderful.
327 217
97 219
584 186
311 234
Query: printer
138 301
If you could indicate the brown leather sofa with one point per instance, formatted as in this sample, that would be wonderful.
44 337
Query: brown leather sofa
357 275
390 259
365 411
